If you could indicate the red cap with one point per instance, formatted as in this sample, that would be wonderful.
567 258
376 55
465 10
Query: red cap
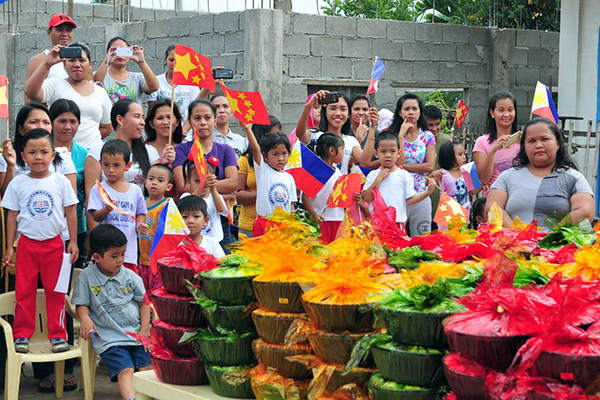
59 19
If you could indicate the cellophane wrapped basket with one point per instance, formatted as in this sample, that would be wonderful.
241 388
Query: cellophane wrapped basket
181 264
177 310
169 335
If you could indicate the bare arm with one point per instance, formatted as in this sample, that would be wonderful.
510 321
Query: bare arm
309 207
244 196
422 195
485 162
229 184
425 167
151 80
31 67
582 206
499 197
86 323
218 200
71 215
368 194
253 143
33 85
301 132
144 319
105 130
100 215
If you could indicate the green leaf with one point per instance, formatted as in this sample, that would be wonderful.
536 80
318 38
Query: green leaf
209 305
409 257
361 349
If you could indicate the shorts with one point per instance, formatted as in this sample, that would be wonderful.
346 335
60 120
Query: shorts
119 358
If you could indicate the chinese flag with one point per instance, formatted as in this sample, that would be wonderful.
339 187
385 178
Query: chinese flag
344 190
447 209
3 96
197 156
192 69
247 107
461 113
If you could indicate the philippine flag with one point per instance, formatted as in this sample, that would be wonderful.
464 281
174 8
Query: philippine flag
309 171
362 171
378 70
543 105
471 177
170 231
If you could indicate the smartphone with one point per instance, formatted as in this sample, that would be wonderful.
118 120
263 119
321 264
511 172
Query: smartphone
331 97
514 138
70 52
222 73
123 51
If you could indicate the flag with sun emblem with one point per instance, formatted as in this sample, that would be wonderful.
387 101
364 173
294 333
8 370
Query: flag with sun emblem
344 190
309 171
170 231
192 69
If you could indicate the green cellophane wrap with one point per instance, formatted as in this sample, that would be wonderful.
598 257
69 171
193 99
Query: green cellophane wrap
335 348
275 296
340 317
272 326
225 348
228 290
382 389
232 381
276 357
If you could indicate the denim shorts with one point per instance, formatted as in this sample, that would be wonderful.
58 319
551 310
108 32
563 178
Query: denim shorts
119 358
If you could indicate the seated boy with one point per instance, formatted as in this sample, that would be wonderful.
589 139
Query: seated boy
110 302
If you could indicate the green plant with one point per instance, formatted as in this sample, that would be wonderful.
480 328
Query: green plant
402 10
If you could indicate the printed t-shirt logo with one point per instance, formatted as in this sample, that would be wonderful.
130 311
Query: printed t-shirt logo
40 204
278 195
96 289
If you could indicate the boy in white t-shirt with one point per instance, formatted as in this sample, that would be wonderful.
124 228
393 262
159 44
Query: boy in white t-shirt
395 184
195 215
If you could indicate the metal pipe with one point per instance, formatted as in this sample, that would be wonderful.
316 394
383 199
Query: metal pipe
587 147
571 128
596 147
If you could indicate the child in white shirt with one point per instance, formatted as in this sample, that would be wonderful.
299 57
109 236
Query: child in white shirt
195 215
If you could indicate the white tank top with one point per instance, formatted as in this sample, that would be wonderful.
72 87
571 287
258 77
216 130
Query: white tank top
57 70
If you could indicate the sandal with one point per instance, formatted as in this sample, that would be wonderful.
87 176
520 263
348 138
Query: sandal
46 385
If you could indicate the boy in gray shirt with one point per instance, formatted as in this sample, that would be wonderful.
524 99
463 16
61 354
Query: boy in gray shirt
110 303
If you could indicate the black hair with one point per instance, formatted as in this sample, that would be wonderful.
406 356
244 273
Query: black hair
151 132
562 161
324 124
477 210
164 167
192 203
105 237
138 148
386 135
355 99
260 131
83 48
114 147
114 39
169 49
62 106
39 133
273 140
398 120
216 96
432 112
446 156
188 167
196 102
324 143
22 116
491 122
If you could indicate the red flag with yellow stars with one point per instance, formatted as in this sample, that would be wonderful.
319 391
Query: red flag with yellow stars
449 208
197 156
461 113
192 69
3 96
344 190
247 107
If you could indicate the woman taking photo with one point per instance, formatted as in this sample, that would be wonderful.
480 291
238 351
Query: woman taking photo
160 124
92 100
544 183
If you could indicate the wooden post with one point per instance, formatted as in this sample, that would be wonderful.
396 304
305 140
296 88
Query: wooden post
172 106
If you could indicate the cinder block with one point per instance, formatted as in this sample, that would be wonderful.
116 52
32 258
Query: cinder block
549 40
240 63
412 51
555 58
202 23
359 48
548 75
401 30
287 23
442 52
361 69
227 22
398 71
527 75
27 41
325 46
527 38
540 57
113 30
371 28
290 113
234 42
189 41
155 29
159 46
134 32
477 116
178 27
228 61
142 14
426 72
54 7
164 14
296 45
479 35
428 32
472 53
477 96
336 67
305 23
387 49
518 56
521 96
81 10
213 44
294 93
455 33
452 72
28 6
386 97
477 73
304 67
340 26
102 11
95 34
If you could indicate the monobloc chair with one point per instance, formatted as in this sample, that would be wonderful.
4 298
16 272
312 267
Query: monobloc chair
40 351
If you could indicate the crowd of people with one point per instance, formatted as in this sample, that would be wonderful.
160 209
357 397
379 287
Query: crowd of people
84 134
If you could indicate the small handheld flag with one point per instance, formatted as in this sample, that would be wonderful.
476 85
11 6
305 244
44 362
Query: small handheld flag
197 156
170 231
361 171
543 105
192 69
471 177
447 209
309 171
3 96
344 190
109 202
461 113
247 107
378 70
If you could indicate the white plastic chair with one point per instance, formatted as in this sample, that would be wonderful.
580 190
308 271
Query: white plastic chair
40 351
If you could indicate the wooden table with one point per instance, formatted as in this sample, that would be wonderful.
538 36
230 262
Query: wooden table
148 387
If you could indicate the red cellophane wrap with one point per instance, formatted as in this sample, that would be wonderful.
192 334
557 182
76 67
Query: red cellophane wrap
511 239
450 396
564 255
449 250
465 377
384 223
578 301
169 335
183 263
177 310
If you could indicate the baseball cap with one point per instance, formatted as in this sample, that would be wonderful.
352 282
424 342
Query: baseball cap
59 19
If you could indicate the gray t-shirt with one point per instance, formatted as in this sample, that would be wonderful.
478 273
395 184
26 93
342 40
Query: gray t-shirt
532 197
130 89
113 303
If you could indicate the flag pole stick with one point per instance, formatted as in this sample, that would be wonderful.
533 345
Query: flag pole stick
172 115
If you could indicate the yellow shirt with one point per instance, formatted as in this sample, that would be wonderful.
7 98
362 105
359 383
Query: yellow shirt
145 242
248 211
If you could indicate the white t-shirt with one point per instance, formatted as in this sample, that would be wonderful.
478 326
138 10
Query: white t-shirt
212 246
184 94
395 189
274 189
132 175
214 228
350 143
319 202
57 70
95 109
66 167
41 204
152 153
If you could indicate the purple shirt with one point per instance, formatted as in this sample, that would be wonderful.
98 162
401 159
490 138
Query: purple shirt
223 152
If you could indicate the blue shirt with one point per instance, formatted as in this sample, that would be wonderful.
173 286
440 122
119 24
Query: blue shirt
78 156
113 303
